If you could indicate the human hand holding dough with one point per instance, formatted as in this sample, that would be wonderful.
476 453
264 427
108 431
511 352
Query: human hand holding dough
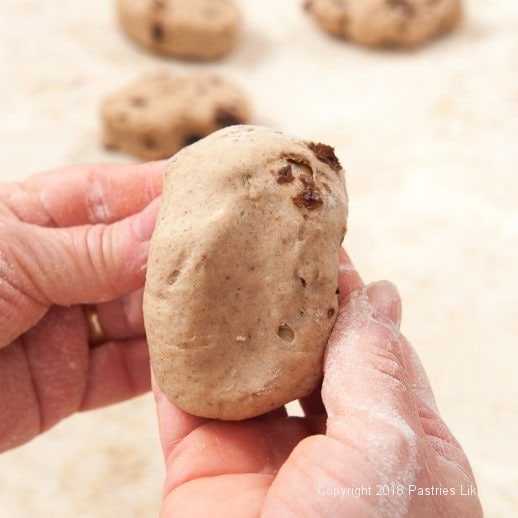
241 291
373 424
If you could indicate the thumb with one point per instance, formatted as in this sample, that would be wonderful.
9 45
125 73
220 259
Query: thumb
364 352
367 390
66 266
365 371
372 428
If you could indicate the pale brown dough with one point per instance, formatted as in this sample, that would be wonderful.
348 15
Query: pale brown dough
159 114
190 29
241 290
386 23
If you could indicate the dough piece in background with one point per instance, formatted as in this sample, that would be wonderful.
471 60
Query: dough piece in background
160 114
386 23
188 29
241 289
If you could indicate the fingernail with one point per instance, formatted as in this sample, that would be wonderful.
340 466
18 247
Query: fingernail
144 223
385 301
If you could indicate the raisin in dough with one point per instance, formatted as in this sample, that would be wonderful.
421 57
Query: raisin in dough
160 114
390 23
241 289
191 29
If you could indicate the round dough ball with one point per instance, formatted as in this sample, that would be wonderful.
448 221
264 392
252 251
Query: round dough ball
241 289
386 23
190 29
158 115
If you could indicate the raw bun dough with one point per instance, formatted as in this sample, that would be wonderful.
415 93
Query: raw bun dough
386 23
241 290
190 29
159 114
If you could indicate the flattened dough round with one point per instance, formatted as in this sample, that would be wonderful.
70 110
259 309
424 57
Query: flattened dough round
159 114
241 290
386 23
190 29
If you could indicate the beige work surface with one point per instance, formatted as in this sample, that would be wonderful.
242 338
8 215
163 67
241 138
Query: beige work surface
430 143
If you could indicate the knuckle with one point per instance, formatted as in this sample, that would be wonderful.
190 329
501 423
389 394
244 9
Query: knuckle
310 449
395 440
96 198
99 255
388 364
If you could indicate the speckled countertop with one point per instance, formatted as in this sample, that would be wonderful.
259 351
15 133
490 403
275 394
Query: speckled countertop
429 139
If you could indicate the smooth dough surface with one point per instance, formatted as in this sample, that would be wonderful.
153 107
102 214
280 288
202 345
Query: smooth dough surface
386 23
241 289
190 29
158 115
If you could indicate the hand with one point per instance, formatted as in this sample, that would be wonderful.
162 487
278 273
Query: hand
69 238
375 423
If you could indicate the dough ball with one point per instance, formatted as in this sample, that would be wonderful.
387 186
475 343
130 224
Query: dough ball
386 23
160 114
241 290
191 29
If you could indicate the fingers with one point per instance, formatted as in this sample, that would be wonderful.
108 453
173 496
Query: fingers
366 389
373 425
122 318
312 404
196 447
19 408
220 448
116 371
370 367
417 376
349 280
51 373
225 496
364 339
78 265
84 194
173 424
57 358
373 375
319 463
364 372
437 432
